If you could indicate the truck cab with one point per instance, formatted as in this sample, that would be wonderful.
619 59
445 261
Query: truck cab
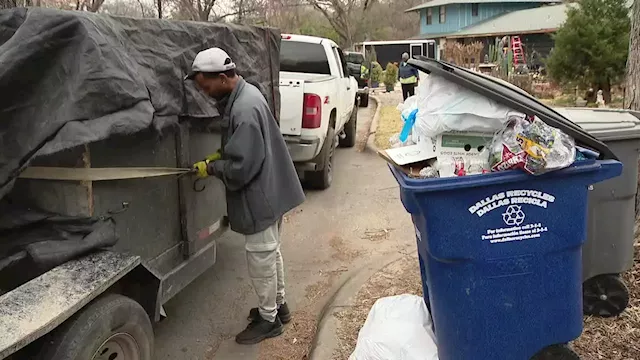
318 105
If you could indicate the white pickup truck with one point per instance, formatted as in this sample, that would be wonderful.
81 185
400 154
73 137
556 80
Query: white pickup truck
318 110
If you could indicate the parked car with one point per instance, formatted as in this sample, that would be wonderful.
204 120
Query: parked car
318 108
355 63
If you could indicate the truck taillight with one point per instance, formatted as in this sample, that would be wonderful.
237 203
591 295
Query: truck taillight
311 111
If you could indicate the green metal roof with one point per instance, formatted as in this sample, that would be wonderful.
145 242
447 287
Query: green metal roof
545 19
541 20
433 3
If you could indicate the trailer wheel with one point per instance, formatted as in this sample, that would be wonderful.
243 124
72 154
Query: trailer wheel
112 327
604 296
556 352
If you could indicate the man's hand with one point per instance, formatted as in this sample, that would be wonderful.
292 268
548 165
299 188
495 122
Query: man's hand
201 166
201 169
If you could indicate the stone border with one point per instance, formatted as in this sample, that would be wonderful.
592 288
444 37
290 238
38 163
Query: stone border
325 341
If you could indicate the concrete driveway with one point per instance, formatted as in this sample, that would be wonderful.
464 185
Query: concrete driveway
330 236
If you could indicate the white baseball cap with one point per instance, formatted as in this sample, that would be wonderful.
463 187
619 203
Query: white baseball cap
213 60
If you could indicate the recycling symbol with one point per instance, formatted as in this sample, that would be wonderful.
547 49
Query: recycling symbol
514 216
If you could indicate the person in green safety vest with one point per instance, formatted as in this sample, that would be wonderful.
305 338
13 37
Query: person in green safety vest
408 76
364 72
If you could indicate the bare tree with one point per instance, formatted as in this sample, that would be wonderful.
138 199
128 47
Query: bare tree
345 16
197 10
89 5
632 86
7 4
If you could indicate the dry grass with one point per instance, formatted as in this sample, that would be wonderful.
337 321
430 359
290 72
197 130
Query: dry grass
400 277
294 344
389 123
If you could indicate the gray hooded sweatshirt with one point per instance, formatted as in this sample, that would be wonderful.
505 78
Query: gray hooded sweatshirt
256 168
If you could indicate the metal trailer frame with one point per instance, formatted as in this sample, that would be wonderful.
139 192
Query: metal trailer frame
167 231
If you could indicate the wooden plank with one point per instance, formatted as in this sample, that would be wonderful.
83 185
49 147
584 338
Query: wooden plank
40 305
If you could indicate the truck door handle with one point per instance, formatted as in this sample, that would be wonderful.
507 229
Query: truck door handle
348 87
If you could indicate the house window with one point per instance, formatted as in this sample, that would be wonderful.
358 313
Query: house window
443 14
474 9
429 16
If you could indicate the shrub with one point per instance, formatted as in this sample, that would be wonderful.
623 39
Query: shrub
391 75
376 72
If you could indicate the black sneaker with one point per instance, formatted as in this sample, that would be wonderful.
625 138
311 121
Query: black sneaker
283 313
259 330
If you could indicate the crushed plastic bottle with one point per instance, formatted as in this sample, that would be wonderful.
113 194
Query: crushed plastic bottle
531 145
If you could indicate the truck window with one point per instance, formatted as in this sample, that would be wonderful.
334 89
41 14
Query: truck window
303 57
343 63
338 62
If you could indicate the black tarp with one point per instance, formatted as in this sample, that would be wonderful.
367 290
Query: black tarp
69 78
72 78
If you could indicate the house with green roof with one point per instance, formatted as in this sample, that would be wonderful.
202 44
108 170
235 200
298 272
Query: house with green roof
469 21
466 21
443 17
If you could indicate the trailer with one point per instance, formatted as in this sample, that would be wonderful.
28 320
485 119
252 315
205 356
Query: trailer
99 99
391 51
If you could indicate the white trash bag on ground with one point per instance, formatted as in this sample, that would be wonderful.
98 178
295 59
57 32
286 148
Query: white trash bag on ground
445 106
397 328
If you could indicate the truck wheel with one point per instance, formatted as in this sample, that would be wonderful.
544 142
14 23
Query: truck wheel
556 352
604 296
350 130
364 100
322 179
112 327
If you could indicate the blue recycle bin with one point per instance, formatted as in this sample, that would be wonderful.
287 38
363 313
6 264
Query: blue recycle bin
500 257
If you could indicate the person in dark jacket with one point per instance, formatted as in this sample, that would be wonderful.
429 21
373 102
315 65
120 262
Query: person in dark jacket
408 76
261 184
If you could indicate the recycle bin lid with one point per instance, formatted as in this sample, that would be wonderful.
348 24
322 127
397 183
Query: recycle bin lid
605 124
513 97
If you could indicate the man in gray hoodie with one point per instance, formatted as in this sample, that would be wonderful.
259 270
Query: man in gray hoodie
261 184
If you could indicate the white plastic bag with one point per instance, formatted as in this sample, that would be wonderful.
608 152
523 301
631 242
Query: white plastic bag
444 106
397 328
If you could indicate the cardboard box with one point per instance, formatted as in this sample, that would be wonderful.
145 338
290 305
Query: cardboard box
456 148
445 152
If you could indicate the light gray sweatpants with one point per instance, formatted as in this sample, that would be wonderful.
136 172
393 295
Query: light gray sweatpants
266 269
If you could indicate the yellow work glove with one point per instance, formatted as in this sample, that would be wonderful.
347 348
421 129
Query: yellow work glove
213 157
201 169
201 166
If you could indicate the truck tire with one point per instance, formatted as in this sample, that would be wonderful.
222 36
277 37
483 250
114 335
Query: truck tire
349 139
112 327
364 100
322 179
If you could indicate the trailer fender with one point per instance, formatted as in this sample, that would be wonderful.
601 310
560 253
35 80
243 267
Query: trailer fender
40 305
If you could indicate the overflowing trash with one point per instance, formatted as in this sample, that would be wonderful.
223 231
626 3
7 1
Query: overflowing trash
451 131
532 146
397 328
